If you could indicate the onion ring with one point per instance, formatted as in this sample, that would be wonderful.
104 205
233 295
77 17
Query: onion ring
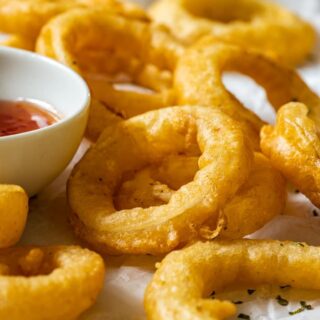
185 278
255 24
100 46
25 18
13 214
57 282
147 139
282 84
265 189
293 146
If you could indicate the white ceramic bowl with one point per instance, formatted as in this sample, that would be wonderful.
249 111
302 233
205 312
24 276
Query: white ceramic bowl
33 159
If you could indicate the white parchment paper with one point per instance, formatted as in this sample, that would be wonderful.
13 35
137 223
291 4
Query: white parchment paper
127 276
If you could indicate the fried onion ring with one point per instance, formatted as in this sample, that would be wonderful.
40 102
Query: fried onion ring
256 24
101 46
131 145
293 146
260 198
201 83
185 278
13 214
23 19
57 282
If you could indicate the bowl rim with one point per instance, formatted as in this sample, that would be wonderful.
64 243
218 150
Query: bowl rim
83 107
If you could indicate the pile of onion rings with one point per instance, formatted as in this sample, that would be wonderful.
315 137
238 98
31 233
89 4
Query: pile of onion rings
255 24
182 284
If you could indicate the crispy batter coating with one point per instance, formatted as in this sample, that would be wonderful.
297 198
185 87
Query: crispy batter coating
13 214
123 149
48 283
256 24
182 284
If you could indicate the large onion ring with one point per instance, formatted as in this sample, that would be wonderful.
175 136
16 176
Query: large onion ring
13 214
201 83
256 24
293 146
100 46
57 282
149 138
185 278
265 189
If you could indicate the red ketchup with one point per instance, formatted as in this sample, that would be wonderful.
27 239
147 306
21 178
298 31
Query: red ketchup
20 116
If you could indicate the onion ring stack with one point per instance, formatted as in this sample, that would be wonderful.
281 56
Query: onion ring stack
256 24
131 145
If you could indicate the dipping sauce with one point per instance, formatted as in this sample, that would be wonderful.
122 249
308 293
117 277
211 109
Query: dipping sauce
20 116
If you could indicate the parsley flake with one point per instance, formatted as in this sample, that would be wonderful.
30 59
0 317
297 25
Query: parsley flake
281 301
243 316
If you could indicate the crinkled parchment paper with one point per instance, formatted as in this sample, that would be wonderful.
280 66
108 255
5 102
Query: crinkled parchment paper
122 296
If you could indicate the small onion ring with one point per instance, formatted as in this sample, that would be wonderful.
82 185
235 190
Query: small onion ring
185 278
132 144
254 24
57 282
13 214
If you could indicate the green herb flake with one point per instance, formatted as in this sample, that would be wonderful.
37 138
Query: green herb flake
237 302
251 291
305 305
292 313
281 244
300 244
281 301
243 316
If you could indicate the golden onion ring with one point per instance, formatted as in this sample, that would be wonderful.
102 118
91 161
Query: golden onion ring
129 146
13 214
260 198
100 45
293 146
57 282
201 83
185 278
24 19
255 24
